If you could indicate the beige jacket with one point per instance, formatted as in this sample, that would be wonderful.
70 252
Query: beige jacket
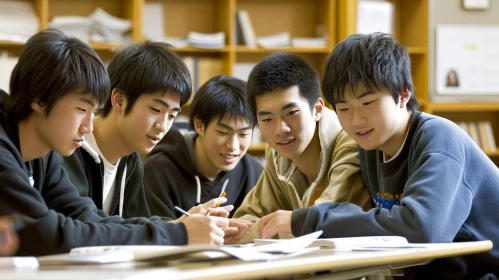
282 186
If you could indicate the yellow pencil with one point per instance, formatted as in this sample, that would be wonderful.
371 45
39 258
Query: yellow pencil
221 195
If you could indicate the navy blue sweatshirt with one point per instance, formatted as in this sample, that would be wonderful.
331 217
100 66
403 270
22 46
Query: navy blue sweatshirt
57 219
440 188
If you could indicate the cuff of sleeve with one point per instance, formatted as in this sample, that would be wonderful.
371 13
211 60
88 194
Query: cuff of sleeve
298 222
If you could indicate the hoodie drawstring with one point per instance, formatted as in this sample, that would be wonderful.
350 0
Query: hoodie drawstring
198 194
198 186
122 192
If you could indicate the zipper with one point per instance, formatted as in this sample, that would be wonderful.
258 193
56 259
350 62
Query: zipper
126 182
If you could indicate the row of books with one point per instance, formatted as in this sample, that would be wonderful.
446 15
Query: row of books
481 132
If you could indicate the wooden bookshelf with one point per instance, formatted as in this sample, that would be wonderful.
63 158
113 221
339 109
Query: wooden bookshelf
301 18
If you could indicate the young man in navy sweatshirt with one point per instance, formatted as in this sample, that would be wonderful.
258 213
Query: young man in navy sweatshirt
55 87
429 180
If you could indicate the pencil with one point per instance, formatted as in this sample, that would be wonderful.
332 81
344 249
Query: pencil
221 195
182 211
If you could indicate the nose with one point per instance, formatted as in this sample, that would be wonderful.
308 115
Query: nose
87 125
282 128
358 117
232 143
163 124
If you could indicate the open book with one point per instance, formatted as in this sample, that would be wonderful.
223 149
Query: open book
153 253
347 242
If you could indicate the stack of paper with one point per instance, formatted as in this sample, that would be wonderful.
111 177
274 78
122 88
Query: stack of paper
18 21
98 27
279 40
74 26
112 29
309 42
206 40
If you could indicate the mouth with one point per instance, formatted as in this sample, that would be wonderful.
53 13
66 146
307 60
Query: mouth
78 142
364 132
285 143
154 139
229 156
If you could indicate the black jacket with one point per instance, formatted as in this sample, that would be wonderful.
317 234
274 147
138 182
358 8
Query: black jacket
57 219
170 174
87 176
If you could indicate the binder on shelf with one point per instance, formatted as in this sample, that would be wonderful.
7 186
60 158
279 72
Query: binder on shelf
246 28
473 132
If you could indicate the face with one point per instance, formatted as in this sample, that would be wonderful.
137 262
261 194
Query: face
224 142
149 120
373 119
286 122
70 118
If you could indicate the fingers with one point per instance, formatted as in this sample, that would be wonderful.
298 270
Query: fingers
8 244
212 203
230 231
219 212
207 213
264 221
228 208
221 222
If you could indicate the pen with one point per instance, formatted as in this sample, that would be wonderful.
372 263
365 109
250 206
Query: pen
221 195
182 211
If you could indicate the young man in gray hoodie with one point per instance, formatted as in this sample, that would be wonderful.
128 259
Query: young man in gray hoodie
185 170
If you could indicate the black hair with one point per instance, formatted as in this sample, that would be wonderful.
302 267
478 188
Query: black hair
221 96
376 60
147 67
50 66
280 71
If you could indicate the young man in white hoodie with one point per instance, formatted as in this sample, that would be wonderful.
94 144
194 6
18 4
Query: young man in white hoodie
149 84
309 158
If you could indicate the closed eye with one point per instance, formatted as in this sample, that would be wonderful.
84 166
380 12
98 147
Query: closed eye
155 110
222 132
81 109
292 112
266 120
367 103
343 109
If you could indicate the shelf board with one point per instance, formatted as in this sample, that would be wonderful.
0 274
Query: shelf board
190 49
464 107
105 46
257 148
492 153
417 50
243 49
10 44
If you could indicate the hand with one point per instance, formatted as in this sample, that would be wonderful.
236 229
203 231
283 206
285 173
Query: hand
8 237
277 222
205 229
242 226
217 212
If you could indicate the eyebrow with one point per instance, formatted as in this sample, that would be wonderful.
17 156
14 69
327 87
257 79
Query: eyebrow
287 106
166 104
232 129
88 101
358 97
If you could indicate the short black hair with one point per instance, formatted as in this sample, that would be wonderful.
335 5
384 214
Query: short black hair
376 60
221 96
50 66
280 71
147 67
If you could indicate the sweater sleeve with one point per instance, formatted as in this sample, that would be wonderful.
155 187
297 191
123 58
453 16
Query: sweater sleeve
432 209
265 198
49 231
157 186
345 181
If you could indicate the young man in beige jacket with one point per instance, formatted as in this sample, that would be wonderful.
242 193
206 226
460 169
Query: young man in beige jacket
309 158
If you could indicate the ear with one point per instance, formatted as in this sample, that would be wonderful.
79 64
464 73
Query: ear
198 126
318 107
404 98
38 106
117 100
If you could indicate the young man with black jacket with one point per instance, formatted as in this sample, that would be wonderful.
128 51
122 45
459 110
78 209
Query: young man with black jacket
55 88
184 170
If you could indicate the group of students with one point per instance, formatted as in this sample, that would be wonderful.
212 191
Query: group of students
373 166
